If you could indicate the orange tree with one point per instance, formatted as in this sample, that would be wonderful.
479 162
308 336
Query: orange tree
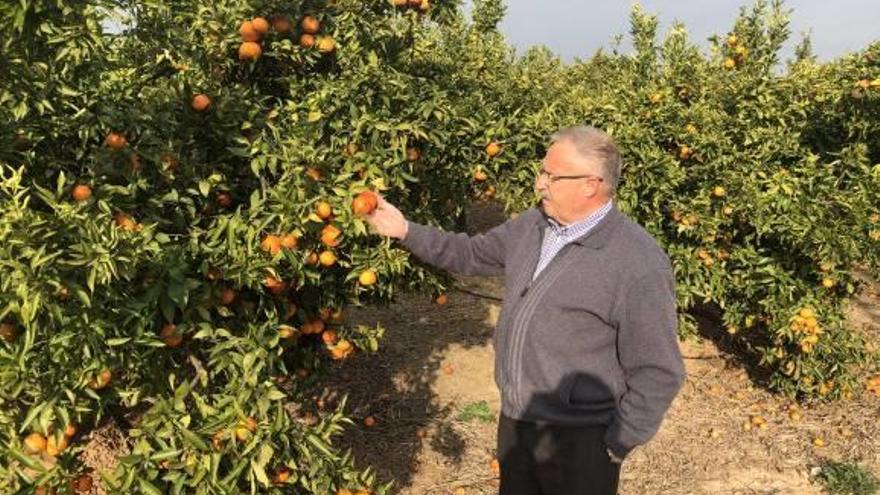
763 186
180 237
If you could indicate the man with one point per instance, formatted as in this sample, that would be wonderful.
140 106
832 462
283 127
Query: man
587 356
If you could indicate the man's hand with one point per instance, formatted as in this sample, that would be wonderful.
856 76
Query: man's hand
387 220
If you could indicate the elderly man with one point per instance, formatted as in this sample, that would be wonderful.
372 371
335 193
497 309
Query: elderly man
587 358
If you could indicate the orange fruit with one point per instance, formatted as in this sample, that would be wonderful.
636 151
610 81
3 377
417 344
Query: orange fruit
479 175
324 210
227 296
242 434
307 41
310 25
330 236
260 25
495 466
312 258
413 154
719 192
314 173
34 443
369 421
70 430
281 24
329 337
248 32
249 51
281 476
313 326
729 63
81 192
327 258
54 447
217 439
326 44
274 285
115 141
7 332
364 203
289 241
271 244
125 222
170 335
201 102
493 149
368 277
101 380
441 300
224 199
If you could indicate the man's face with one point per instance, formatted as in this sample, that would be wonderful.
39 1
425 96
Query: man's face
568 183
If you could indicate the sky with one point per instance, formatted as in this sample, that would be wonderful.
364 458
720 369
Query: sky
577 28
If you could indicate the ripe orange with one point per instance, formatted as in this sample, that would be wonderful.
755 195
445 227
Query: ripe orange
307 41
170 335
7 332
248 31
369 421
493 149
400 3
115 141
441 300
425 5
326 44
201 102
81 192
364 203
70 430
249 51
313 326
281 24
685 152
312 258
101 380
260 25
54 446
729 63
314 173
310 25
289 241
125 222
224 199
274 285
480 175
271 244
329 337
281 476
324 210
327 258
718 192
413 154
368 277
495 466
330 235
34 443
227 296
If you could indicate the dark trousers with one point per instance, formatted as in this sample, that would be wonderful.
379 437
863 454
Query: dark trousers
554 460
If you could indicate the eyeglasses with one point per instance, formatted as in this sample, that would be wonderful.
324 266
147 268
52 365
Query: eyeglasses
551 178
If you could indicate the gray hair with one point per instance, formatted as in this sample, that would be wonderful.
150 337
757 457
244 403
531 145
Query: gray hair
593 143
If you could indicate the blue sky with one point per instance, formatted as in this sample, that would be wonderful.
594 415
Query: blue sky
576 28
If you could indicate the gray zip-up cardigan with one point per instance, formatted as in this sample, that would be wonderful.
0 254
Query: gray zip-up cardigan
592 340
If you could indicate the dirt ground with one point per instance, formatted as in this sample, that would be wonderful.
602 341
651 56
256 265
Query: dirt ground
436 362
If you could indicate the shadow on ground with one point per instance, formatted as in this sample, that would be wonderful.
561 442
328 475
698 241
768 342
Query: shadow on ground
396 388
